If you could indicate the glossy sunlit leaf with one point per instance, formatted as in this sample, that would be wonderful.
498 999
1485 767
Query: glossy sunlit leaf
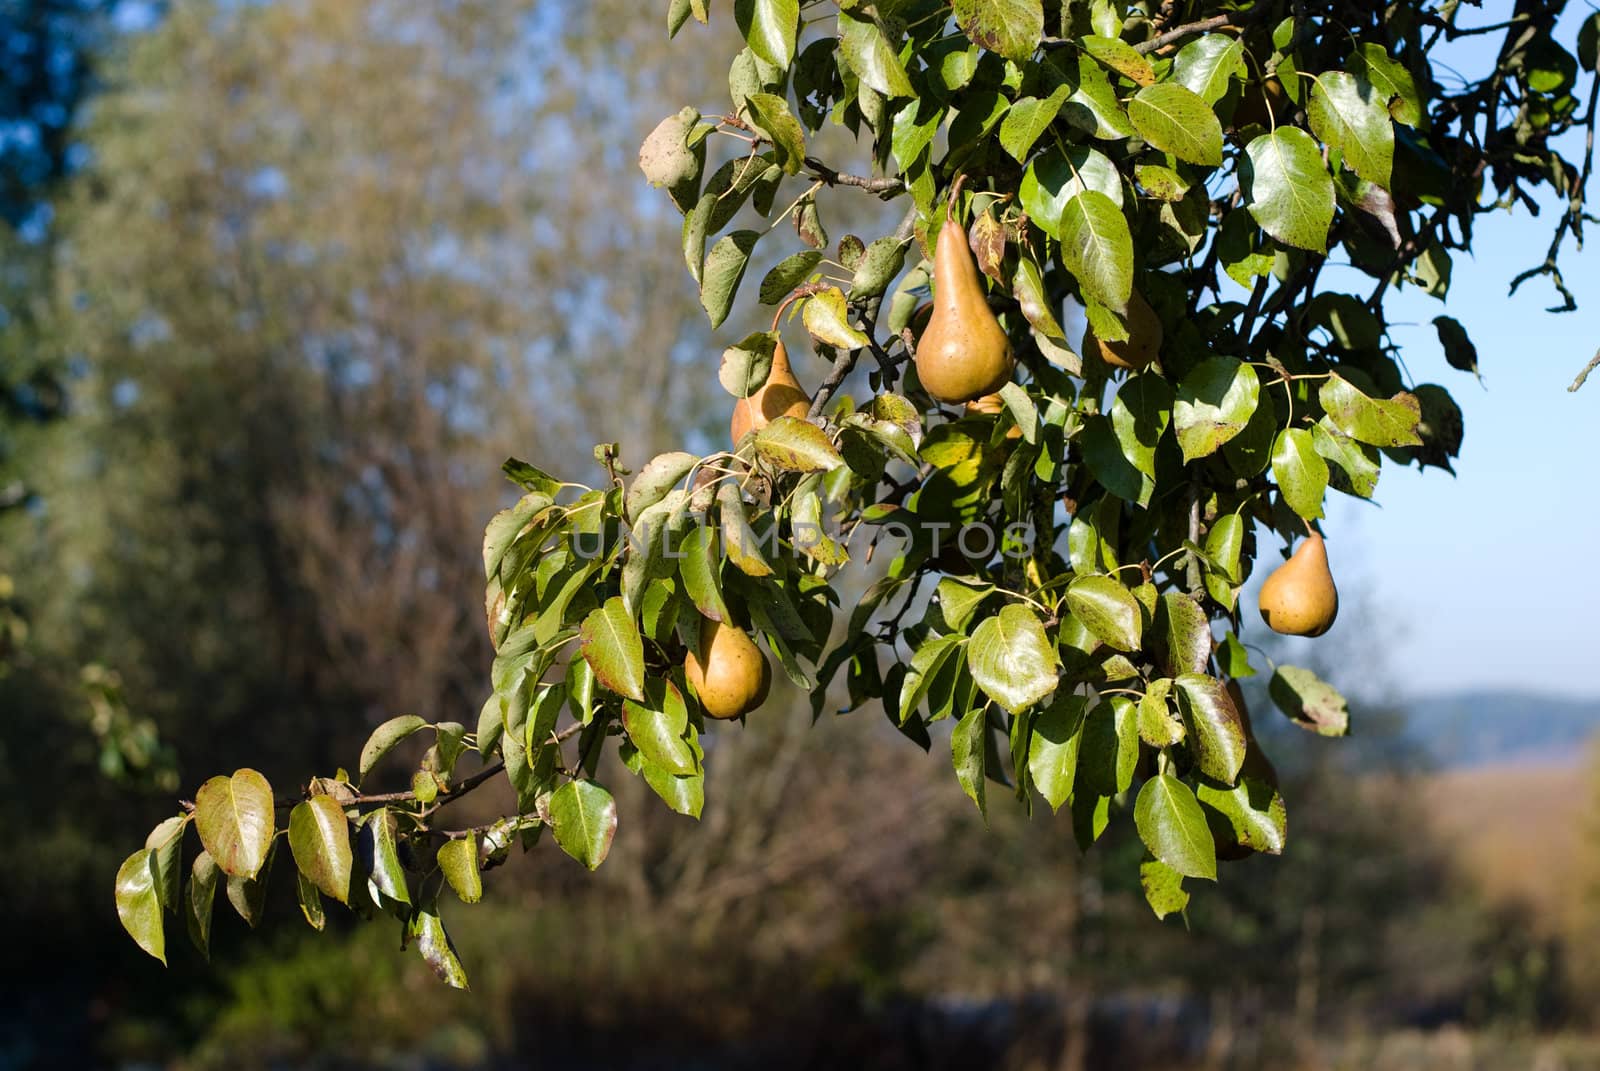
1108 610
458 862
610 643
139 905
1301 473
1214 403
583 817
1173 827
319 840
1352 117
1012 659
235 819
1097 248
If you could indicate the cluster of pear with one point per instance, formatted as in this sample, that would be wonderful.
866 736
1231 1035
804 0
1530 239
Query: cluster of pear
1299 598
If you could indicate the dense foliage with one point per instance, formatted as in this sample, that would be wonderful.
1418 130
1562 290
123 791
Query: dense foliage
1056 575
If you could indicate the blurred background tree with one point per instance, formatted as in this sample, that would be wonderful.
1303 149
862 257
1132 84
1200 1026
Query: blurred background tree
318 265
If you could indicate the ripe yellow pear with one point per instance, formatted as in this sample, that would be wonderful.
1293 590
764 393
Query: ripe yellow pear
963 353
780 395
729 672
1143 343
1299 598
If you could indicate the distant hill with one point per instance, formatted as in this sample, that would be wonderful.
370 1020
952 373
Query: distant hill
1495 728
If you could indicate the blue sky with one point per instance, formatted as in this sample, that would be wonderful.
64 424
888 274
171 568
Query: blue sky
1489 579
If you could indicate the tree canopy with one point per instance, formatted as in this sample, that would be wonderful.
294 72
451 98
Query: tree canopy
1233 191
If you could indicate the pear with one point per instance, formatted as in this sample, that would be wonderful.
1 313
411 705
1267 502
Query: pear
780 395
1143 343
992 405
1299 598
963 353
729 673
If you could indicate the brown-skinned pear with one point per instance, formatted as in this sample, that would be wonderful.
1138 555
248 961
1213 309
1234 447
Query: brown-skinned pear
1299 598
728 671
780 395
1143 343
963 353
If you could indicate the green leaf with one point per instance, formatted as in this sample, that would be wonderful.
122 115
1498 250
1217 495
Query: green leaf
769 28
700 565
1139 418
1109 752
1163 888
967 745
1188 633
677 14
1589 42
1392 80
1352 117
583 817
197 905
1173 827
871 56
790 272
1093 106
249 895
1028 119
739 541
927 667
1460 351
769 114
958 599
458 861
685 795
1108 610
610 643
1371 420
1207 64
1176 120
235 819
797 445
879 265
1214 403
436 948
1097 248
1301 473
310 902
658 727
1012 659
724 270
1058 175
1010 27
139 904
1254 812
1358 464
1217 733
660 474
1117 55
319 840
1287 189
380 854
1158 727
1309 701
166 842
1053 750
383 740
827 317
1224 544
